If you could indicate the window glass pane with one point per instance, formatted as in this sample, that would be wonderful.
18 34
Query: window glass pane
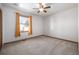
25 28
24 24
23 19
21 27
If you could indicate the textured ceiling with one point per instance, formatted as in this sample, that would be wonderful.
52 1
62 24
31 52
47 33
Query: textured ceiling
55 7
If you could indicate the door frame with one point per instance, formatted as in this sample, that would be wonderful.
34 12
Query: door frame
1 43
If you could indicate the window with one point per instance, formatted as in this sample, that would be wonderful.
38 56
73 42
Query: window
24 24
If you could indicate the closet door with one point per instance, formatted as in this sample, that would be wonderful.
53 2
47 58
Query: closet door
0 28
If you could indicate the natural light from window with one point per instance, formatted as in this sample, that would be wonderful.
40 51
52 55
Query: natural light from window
24 24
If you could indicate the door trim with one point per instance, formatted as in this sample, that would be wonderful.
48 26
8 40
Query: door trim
1 28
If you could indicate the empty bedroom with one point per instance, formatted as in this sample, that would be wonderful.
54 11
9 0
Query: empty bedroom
38 29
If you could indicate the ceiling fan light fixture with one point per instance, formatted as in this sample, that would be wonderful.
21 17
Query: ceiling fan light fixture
41 9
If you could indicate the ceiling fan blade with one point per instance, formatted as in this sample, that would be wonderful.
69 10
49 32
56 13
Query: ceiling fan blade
47 7
38 11
40 5
45 11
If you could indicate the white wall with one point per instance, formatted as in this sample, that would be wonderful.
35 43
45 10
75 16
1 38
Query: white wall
0 5
63 25
9 25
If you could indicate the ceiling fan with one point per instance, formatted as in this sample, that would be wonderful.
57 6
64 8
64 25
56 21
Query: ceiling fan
42 7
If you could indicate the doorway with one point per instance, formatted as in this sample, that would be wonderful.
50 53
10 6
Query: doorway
0 28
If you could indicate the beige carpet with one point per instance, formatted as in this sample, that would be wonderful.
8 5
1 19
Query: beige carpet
40 45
